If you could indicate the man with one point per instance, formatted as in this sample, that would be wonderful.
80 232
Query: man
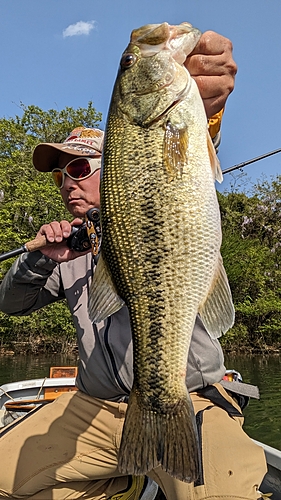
68 450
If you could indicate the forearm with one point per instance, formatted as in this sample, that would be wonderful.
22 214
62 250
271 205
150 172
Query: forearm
31 283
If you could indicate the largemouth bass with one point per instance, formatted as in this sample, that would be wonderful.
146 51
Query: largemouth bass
161 238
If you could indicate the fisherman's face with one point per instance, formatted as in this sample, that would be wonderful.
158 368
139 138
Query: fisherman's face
79 195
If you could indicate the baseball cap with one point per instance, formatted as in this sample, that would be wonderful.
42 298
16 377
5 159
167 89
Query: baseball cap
82 141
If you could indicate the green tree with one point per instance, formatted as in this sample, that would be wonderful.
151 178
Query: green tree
29 199
251 250
251 235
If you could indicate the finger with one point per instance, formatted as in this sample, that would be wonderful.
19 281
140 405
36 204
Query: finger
214 104
212 86
214 91
46 231
212 43
60 230
55 231
208 65
212 56
77 222
66 228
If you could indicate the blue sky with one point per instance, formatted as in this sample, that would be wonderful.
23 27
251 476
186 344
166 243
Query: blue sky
58 53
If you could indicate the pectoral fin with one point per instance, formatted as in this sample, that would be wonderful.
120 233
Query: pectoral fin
175 150
103 298
217 312
215 164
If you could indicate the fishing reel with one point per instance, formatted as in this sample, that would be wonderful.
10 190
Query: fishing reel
78 239
88 235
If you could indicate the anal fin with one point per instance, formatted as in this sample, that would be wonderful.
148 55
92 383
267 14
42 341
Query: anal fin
217 311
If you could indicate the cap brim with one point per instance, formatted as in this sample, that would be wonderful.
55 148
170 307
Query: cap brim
46 155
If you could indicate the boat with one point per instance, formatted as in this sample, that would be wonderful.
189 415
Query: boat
271 485
17 398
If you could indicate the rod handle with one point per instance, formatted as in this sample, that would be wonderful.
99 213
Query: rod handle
36 244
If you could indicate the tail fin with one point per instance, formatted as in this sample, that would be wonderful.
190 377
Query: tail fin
168 439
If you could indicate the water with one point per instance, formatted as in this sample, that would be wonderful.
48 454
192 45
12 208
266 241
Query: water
21 367
262 418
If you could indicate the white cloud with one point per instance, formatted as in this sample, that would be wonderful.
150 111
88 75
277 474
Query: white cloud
80 28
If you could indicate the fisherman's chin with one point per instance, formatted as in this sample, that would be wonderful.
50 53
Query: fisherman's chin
76 209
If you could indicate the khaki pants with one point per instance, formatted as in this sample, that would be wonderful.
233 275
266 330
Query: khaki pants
68 450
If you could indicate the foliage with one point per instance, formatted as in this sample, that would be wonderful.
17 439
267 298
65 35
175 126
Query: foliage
251 250
30 200
50 329
251 227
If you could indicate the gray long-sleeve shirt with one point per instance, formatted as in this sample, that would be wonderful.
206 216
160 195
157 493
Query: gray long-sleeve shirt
105 349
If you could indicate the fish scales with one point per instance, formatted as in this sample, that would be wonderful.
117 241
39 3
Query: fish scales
149 238
161 242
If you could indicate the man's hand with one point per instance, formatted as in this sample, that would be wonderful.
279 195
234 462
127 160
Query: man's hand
56 234
213 68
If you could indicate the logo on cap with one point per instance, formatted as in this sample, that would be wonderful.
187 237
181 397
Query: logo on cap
91 137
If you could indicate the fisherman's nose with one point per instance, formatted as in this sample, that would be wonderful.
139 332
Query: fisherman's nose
69 184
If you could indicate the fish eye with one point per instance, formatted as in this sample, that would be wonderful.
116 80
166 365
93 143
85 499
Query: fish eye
128 60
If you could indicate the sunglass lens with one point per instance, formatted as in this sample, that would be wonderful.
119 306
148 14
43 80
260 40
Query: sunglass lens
57 176
79 168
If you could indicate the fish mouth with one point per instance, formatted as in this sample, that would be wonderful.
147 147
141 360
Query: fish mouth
153 38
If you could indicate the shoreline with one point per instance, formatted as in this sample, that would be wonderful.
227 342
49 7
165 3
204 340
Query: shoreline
70 349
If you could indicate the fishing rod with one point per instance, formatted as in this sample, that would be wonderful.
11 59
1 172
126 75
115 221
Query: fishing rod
244 163
82 238
78 240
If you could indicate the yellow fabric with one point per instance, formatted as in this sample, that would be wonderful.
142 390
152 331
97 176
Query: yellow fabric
68 448
214 123
132 493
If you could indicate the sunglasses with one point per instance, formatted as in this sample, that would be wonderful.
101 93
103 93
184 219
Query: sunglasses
77 169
